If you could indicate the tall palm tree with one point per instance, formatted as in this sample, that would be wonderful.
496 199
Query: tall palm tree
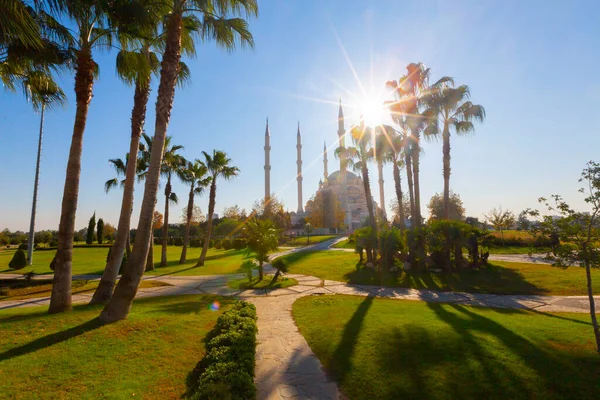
451 108
219 166
136 62
91 28
221 22
357 157
193 174
390 145
44 93
172 163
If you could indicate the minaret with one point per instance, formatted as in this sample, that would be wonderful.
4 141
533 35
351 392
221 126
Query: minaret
343 177
325 173
299 163
267 163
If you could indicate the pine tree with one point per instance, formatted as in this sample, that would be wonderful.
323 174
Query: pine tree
90 231
100 231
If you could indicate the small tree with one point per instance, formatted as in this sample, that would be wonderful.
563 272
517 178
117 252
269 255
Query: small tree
500 220
436 207
281 268
19 260
90 231
578 232
100 231
263 238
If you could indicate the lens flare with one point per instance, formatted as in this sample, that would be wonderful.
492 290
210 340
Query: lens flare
215 306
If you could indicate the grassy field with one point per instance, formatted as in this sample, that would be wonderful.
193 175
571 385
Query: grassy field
302 240
499 278
93 260
71 356
242 284
393 349
18 289
344 244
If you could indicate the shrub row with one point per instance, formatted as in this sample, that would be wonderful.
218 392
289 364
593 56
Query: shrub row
539 241
227 369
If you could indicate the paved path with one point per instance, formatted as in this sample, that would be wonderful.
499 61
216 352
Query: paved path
286 367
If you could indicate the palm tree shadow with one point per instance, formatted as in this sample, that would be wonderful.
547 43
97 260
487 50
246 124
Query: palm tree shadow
344 350
51 339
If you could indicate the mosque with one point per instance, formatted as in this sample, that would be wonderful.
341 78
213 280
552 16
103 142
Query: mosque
345 185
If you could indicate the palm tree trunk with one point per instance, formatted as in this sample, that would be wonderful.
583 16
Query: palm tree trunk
165 229
399 196
446 156
381 193
31 240
188 225
417 188
60 299
411 191
588 275
367 185
120 304
128 244
111 271
211 210
150 257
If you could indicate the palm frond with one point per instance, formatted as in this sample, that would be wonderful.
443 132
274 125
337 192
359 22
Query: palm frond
173 198
227 33
109 184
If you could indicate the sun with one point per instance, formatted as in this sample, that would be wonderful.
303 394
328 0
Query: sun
373 111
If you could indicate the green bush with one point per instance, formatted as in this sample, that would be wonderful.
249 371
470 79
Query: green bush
227 369
19 260
226 244
23 246
391 245
178 241
217 244
211 244
195 242
239 244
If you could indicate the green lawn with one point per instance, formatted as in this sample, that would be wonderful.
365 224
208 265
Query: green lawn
394 349
344 244
93 260
71 356
19 289
517 250
499 278
243 284
303 240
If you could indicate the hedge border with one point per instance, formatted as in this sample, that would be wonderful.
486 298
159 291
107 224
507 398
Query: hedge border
227 369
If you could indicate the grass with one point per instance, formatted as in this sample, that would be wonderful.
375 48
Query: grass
19 289
302 240
91 261
72 356
395 349
517 250
497 278
344 244
255 283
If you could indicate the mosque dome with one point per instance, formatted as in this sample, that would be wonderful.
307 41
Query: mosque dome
334 176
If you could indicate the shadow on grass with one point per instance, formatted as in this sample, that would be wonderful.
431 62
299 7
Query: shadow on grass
51 339
193 306
491 279
191 265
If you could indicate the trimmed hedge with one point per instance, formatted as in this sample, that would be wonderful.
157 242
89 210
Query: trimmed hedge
226 244
227 369
19 260
239 243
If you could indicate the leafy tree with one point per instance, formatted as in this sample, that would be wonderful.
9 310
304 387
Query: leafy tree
578 232
109 232
221 22
195 175
263 238
100 231
272 209
450 109
500 220
228 227
197 215
233 212
396 211
219 166
281 267
436 208
324 210
90 230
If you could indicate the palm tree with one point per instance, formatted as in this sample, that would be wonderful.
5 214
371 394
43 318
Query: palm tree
220 22
193 174
263 238
92 28
391 145
136 63
357 157
44 93
450 107
219 166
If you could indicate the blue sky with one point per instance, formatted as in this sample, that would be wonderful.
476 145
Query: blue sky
533 65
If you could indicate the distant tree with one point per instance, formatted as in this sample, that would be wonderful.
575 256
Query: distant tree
523 223
325 211
198 216
500 220
436 207
578 232
109 232
263 238
90 230
157 223
233 212
100 231
44 236
274 210
406 207
227 227
473 221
